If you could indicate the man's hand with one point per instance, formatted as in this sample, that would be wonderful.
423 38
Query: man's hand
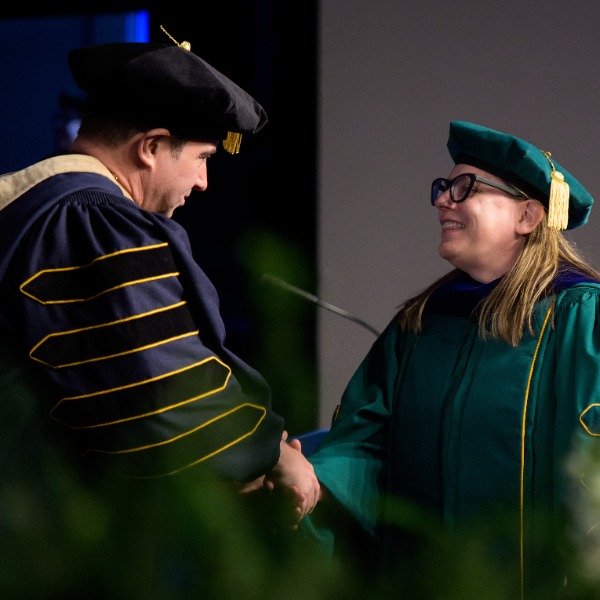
295 476
291 483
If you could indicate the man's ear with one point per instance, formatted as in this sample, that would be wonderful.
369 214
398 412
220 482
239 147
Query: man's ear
532 212
150 142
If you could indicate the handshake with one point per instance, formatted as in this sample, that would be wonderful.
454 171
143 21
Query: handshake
292 480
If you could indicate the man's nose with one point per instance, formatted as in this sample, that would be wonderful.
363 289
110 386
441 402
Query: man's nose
202 179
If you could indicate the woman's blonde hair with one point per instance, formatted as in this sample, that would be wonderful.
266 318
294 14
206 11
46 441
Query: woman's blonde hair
509 308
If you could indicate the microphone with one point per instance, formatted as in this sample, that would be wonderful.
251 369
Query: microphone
277 281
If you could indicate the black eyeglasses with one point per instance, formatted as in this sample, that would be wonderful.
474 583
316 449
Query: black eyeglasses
460 187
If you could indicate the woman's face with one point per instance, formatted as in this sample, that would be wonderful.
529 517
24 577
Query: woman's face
484 234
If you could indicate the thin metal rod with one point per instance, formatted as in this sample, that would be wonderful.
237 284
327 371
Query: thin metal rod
312 298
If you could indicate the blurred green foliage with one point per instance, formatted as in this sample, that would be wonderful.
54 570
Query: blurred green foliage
287 354
67 536
193 536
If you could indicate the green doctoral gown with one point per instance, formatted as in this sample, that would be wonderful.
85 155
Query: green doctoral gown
442 435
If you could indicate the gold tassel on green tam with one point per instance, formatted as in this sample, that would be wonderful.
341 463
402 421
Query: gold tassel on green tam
523 164
558 206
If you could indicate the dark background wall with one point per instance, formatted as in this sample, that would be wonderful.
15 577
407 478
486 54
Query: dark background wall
257 215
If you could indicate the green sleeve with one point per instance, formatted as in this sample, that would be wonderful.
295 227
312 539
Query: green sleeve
577 382
351 460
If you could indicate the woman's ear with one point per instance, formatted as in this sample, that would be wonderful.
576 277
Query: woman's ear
532 212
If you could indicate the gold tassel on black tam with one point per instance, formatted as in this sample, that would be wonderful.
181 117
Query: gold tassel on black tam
233 140
185 45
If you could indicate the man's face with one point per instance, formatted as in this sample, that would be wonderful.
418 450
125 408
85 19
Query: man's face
175 175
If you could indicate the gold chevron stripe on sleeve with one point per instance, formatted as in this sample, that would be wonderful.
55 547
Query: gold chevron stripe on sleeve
185 450
102 275
117 338
143 398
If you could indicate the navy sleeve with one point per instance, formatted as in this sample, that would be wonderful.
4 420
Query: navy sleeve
124 325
